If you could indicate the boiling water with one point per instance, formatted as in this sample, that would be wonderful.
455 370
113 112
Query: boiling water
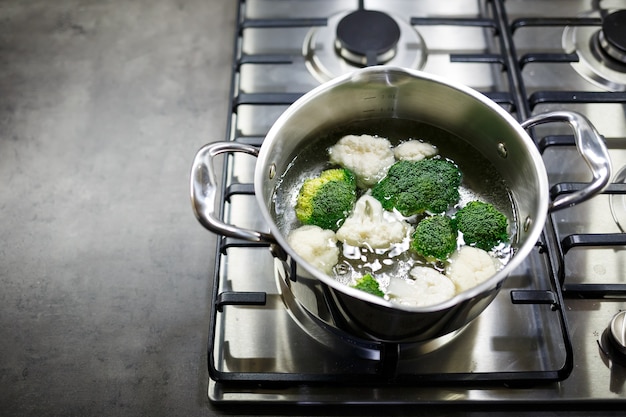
481 181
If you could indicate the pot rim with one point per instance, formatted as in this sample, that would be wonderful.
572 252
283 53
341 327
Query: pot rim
521 252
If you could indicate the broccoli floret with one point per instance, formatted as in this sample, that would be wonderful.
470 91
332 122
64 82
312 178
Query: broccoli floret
482 225
368 284
413 187
327 200
435 238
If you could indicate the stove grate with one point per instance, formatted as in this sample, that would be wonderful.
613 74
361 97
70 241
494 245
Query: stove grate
386 370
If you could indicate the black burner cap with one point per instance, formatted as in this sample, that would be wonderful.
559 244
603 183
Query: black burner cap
614 29
367 32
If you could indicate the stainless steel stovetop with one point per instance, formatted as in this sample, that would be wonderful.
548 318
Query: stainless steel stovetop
539 342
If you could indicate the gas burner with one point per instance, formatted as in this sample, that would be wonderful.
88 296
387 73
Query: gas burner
613 340
612 37
602 53
367 37
354 39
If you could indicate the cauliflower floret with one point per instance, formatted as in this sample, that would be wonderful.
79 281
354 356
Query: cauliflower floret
371 226
315 245
470 266
368 157
427 287
414 150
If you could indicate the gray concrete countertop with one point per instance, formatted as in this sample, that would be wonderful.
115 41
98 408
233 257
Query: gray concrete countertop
104 272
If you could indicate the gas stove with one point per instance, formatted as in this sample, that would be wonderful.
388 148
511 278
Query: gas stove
554 335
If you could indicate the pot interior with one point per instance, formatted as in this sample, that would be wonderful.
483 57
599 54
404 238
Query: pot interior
481 181
497 158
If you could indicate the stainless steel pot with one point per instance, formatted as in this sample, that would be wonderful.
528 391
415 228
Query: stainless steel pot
390 92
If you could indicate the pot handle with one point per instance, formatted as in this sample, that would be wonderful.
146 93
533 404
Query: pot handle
590 146
204 187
